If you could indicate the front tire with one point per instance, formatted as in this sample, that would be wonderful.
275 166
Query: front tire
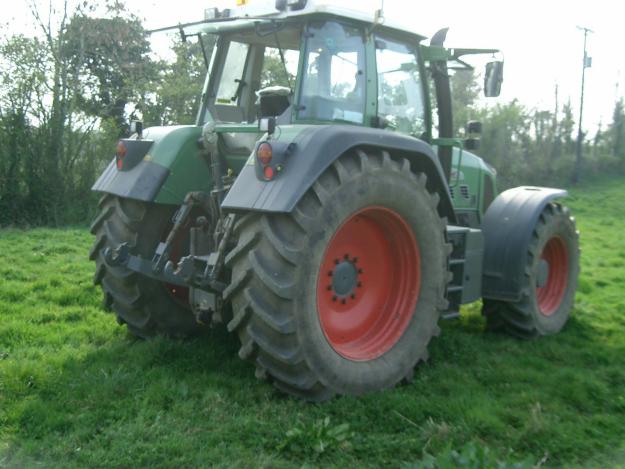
343 295
551 272
146 306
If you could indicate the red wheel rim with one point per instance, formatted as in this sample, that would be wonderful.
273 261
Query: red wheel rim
549 296
368 283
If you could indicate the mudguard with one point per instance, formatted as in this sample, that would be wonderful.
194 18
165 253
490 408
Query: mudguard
507 227
316 148
169 170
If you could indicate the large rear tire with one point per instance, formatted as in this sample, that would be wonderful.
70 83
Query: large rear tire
147 306
550 276
343 295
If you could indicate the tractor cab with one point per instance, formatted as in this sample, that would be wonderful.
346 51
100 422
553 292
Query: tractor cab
324 65
306 63
305 66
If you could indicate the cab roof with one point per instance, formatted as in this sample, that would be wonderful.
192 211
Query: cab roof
258 10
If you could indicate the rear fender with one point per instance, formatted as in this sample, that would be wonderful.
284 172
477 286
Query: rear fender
168 169
507 227
315 149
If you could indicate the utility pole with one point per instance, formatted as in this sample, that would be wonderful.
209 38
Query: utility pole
587 63
556 113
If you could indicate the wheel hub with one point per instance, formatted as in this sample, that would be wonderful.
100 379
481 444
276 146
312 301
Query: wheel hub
345 279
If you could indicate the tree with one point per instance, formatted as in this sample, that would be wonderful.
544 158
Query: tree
617 131
110 62
273 72
174 97
566 128
465 90
57 93
20 90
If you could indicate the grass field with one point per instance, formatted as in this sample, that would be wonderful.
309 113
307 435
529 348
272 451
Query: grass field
77 391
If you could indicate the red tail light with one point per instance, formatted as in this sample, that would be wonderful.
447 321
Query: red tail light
268 173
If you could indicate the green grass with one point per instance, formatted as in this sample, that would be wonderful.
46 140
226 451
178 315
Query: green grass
76 390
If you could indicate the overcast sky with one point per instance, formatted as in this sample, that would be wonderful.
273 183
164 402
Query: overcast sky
539 38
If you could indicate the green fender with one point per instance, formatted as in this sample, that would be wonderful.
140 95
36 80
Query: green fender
170 169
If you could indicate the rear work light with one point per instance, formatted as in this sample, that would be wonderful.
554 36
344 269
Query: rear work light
270 158
120 153
264 153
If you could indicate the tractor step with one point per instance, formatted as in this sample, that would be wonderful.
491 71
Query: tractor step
465 265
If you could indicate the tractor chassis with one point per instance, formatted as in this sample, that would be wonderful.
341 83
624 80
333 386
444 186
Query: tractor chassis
202 269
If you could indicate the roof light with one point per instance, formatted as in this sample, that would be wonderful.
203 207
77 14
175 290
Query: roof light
211 13
240 3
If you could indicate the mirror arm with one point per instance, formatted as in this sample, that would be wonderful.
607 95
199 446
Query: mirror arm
457 53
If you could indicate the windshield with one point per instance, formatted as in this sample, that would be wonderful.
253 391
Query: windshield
333 85
261 61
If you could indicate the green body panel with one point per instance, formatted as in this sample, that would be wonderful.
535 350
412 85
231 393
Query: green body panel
236 157
175 148
469 170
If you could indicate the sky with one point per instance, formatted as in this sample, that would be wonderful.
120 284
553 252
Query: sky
539 38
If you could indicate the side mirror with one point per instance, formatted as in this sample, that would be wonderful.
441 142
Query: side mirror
472 144
267 124
474 127
493 79
136 127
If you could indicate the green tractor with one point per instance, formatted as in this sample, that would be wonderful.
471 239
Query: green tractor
320 212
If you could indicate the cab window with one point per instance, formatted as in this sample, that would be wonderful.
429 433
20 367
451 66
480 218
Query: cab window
333 84
276 73
252 66
227 93
400 91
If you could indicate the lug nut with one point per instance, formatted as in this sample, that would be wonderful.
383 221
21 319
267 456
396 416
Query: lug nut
346 257
336 261
343 301
330 273
334 298
353 296
355 260
360 271
329 287
359 284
